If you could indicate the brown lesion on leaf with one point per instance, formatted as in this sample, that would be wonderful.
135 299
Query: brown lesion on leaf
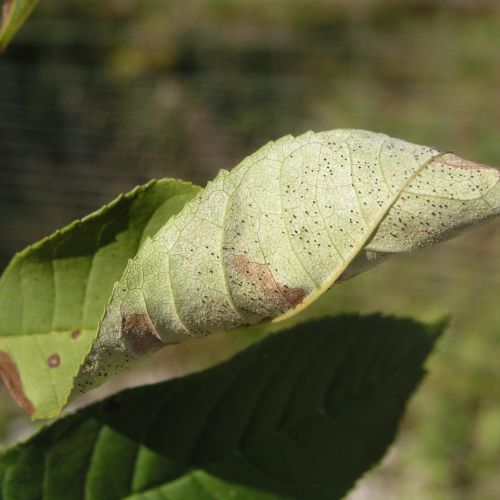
11 378
54 360
281 296
453 160
139 335
75 334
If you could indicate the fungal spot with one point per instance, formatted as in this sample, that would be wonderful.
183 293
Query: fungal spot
455 161
262 278
12 380
139 335
54 360
75 334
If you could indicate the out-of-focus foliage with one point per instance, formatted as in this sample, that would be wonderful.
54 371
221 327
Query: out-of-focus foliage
97 96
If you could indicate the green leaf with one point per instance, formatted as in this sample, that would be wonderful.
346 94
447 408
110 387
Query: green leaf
300 415
13 15
264 241
53 294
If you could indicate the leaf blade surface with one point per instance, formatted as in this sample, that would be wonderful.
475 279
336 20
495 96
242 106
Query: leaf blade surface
265 240
300 415
54 293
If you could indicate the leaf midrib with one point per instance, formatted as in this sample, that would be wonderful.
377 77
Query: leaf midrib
283 430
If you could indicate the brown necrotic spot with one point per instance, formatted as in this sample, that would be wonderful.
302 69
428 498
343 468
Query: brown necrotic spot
139 335
262 278
11 378
75 334
54 360
453 160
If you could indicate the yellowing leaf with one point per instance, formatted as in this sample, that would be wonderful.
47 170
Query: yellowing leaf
263 241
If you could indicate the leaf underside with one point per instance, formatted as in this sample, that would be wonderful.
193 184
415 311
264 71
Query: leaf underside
265 240
300 415
258 244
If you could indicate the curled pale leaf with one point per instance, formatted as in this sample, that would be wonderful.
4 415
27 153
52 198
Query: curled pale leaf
260 243
265 240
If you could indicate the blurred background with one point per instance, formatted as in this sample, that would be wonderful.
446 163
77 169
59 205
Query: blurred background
97 96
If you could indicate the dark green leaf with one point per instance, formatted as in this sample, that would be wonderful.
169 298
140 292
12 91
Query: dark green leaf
301 415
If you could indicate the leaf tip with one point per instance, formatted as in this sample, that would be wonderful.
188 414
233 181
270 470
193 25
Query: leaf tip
12 16
438 327
452 160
